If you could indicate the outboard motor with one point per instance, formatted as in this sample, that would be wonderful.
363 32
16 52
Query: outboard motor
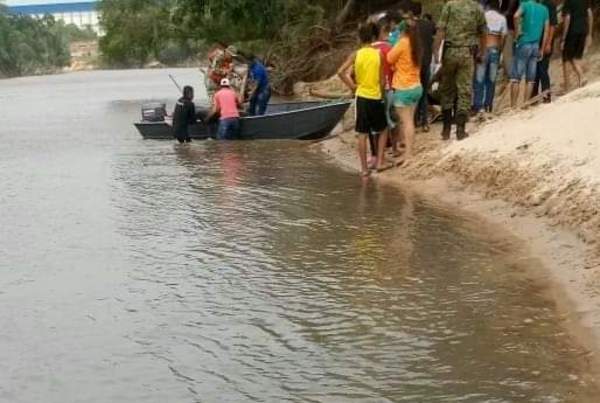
154 112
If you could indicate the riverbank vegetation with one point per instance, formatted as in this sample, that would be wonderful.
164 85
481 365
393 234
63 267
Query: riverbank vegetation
303 39
35 46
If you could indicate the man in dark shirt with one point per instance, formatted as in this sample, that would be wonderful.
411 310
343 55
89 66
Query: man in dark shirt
426 30
543 66
577 37
184 115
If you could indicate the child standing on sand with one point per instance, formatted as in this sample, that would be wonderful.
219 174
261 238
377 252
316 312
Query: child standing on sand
363 74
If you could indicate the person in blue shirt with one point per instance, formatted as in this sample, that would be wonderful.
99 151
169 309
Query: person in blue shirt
261 94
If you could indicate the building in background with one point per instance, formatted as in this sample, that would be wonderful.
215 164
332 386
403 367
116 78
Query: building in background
82 13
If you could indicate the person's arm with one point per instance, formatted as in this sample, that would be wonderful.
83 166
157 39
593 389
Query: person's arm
440 36
590 18
566 25
239 100
550 39
215 110
344 73
191 113
382 77
394 54
517 22
483 31
545 37
482 46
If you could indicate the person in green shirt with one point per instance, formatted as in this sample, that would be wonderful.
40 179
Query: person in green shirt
531 28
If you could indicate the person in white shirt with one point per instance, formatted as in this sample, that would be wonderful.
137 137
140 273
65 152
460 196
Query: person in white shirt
486 71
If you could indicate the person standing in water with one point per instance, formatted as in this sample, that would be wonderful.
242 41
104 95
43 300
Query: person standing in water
184 115
226 104
363 73
406 59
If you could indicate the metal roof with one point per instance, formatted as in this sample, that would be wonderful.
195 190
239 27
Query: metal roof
55 8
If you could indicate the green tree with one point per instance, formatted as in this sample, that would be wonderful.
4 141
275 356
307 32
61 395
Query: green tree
29 46
136 30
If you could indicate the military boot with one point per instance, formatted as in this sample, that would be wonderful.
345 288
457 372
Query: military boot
461 123
447 119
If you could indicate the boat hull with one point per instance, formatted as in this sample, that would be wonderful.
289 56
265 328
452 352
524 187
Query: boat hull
293 121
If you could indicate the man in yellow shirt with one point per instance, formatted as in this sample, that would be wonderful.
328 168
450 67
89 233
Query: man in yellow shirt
363 74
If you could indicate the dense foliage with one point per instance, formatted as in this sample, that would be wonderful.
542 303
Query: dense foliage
32 46
29 46
138 31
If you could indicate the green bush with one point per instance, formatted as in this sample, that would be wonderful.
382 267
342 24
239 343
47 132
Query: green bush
31 46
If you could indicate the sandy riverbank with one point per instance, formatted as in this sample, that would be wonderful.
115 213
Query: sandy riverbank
534 174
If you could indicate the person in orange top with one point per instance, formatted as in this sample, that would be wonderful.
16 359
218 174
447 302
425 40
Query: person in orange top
405 57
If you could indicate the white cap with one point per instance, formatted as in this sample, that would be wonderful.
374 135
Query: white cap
225 82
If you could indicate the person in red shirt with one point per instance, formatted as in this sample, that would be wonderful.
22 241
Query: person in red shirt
384 27
226 104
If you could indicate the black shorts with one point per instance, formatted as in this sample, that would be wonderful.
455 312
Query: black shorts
370 116
574 47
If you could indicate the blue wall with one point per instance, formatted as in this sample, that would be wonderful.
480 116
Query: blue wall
34 9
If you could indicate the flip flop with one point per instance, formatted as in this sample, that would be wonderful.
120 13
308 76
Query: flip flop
365 174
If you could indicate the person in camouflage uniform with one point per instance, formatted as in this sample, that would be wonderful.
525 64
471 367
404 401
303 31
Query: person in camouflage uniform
462 28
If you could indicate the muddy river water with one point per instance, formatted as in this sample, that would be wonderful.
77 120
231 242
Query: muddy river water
143 271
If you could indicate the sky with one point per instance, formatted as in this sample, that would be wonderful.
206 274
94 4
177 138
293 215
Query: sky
23 2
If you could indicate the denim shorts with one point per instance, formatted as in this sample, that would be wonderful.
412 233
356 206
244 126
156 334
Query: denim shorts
408 97
525 61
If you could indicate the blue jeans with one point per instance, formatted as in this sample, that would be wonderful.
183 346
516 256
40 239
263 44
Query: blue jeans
260 100
228 129
484 87
543 78
525 61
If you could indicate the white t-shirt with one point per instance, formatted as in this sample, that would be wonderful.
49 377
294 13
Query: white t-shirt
496 23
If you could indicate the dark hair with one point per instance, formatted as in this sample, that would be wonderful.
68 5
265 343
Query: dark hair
384 23
494 4
393 16
429 17
407 6
188 92
367 32
415 44
417 8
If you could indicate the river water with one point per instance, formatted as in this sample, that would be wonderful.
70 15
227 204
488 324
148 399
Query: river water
144 271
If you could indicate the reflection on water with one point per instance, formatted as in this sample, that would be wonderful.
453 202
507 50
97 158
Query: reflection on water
150 272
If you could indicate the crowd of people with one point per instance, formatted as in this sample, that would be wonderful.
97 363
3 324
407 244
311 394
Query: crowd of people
231 79
402 53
